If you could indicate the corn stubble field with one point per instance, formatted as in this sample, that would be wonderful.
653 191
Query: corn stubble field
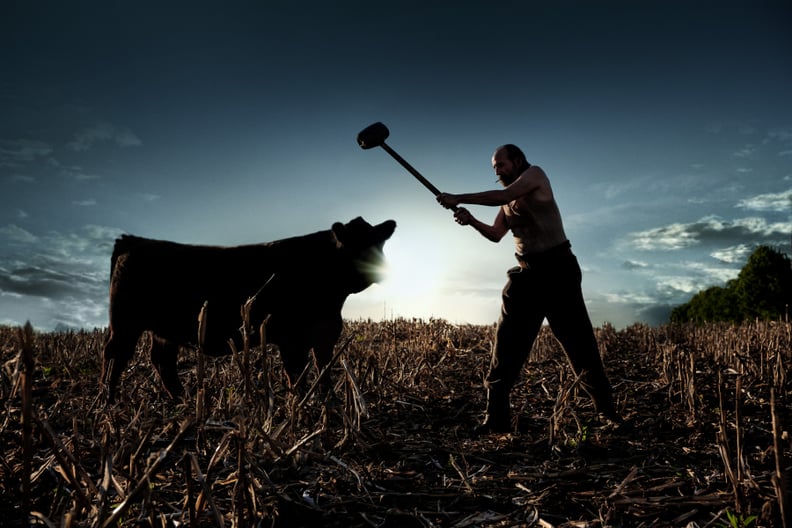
704 441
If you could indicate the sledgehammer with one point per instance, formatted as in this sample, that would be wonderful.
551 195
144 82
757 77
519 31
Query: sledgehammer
375 136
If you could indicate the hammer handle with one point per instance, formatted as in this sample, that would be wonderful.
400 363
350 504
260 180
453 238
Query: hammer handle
412 170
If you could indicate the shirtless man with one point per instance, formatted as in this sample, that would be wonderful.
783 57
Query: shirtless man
546 284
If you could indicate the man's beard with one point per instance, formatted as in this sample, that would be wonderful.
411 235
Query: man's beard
507 179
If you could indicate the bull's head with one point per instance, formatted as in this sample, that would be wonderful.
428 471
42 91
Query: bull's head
361 245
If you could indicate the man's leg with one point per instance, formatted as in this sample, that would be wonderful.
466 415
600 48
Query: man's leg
518 327
571 325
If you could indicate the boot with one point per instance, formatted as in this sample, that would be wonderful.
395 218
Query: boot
498 418
607 407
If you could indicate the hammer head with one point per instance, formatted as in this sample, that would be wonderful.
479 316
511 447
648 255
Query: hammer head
373 136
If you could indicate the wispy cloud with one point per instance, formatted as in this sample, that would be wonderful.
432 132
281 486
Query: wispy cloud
101 233
709 229
671 286
84 203
733 254
746 152
673 283
63 275
673 236
781 135
21 178
15 234
781 139
779 202
78 174
613 190
708 274
41 281
690 278
629 298
650 182
17 151
634 264
86 138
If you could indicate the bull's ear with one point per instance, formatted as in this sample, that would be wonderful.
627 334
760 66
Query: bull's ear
338 233
385 229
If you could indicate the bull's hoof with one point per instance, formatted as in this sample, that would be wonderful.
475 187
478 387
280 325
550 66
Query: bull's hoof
492 427
614 417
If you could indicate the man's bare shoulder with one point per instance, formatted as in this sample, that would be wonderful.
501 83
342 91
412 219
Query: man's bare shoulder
531 178
535 170
534 185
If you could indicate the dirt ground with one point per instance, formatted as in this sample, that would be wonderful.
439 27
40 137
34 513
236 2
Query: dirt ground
390 445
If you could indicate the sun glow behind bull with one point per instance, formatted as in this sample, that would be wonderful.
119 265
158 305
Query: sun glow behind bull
412 272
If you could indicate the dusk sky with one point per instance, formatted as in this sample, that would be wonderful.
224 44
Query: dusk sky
665 129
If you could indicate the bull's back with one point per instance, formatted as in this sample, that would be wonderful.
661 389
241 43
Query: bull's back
161 286
160 259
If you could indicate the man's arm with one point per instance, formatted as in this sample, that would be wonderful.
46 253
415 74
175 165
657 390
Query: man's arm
494 232
529 181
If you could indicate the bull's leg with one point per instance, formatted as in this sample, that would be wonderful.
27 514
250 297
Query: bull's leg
164 355
326 335
320 336
118 351
294 359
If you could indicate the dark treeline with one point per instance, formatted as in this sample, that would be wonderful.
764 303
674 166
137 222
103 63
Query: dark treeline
762 290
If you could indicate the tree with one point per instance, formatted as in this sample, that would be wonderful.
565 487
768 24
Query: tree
763 289
764 286
712 304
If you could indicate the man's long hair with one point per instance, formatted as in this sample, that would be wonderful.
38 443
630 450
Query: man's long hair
516 156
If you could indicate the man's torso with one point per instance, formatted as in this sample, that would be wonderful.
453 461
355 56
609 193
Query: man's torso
535 221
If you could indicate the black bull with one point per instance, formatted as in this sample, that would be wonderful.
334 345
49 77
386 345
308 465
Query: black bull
160 287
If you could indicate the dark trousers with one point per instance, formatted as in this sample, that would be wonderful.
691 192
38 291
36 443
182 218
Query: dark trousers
545 287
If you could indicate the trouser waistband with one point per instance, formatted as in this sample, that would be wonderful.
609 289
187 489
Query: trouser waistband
544 257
